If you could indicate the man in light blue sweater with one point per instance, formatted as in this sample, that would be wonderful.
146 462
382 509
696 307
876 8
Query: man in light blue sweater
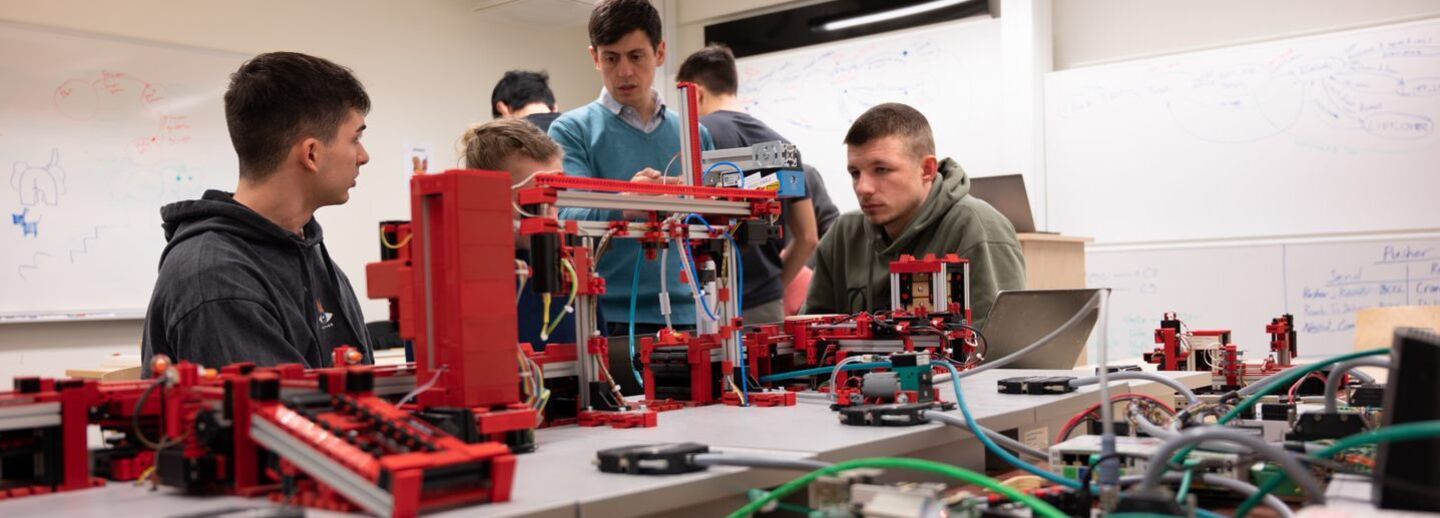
627 134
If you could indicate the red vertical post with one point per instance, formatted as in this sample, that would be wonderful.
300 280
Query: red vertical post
246 464
75 420
690 113
463 284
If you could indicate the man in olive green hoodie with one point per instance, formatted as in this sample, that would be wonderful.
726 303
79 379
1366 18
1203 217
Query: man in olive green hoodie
910 203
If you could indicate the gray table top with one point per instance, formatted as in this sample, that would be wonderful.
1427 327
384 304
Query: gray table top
560 479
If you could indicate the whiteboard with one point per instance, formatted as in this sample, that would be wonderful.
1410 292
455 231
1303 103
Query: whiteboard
950 72
96 134
1241 286
1324 134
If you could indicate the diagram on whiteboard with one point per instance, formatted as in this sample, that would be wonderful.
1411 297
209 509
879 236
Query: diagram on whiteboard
36 185
1325 285
1326 134
1384 91
136 157
97 135
28 227
948 72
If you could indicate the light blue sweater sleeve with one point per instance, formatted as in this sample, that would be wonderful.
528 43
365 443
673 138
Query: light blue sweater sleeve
571 134
599 144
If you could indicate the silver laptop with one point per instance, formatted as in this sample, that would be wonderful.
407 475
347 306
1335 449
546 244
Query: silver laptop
1007 194
1021 317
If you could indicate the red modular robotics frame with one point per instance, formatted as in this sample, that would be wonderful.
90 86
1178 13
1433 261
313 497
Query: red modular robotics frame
451 286
930 314
693 367
43 424
1173 355
320 438
931 285
1224 360
679 368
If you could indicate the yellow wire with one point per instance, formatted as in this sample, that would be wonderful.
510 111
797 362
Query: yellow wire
738 393
574 290
144 475
526 380
544 315
386 243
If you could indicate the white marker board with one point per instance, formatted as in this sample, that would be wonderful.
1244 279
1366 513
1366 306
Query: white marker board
1241 286
96 134
1324 134
950 72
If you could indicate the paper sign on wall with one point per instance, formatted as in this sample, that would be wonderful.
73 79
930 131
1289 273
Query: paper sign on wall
417 157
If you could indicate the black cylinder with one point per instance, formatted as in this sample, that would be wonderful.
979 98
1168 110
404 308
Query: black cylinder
545 263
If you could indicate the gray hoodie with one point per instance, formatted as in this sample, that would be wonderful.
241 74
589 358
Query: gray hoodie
235 287
852 270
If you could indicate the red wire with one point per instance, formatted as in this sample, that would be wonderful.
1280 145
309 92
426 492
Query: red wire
1296 386
1080 417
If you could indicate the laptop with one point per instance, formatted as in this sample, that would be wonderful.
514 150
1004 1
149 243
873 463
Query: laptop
1007 194
1021 317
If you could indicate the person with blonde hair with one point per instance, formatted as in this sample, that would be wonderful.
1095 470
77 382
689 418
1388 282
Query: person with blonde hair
519 148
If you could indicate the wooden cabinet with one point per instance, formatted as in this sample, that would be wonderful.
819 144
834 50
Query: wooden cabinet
1053 261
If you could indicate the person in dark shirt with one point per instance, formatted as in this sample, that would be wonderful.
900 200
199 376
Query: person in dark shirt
516 147
246 277
805 219
525 95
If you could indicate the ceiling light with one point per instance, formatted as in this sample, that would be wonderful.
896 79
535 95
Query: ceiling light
892 14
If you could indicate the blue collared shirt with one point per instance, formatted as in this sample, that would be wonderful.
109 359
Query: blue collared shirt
632 116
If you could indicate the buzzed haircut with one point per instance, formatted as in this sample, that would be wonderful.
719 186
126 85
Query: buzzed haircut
893 119
712 67
614 19
488 146
277 98
520 88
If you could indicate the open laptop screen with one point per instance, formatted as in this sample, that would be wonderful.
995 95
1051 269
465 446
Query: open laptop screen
1021 317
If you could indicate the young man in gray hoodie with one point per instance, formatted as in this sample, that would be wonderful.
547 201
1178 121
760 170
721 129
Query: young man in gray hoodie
911 203
246 277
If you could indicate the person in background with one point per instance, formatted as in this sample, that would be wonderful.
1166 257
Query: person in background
246 277
519 148
628 134
525 95
911 203
713 69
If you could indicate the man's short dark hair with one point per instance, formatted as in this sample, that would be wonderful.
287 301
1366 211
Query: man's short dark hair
614 19
893 120
713 67
520 88
276 98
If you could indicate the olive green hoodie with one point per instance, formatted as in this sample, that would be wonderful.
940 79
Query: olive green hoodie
852 266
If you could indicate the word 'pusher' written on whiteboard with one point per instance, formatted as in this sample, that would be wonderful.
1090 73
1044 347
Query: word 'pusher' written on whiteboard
1334 133
1324 284
96 134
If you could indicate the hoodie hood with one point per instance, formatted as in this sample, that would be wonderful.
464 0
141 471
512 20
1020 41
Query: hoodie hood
853 262
218 211
951 184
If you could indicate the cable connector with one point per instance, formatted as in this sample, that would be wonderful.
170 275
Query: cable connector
1036 385
651 459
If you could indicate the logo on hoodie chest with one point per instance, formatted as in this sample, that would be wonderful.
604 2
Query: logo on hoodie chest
324 318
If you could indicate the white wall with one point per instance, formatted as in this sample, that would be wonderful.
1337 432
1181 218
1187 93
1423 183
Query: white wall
1090 31
428 65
